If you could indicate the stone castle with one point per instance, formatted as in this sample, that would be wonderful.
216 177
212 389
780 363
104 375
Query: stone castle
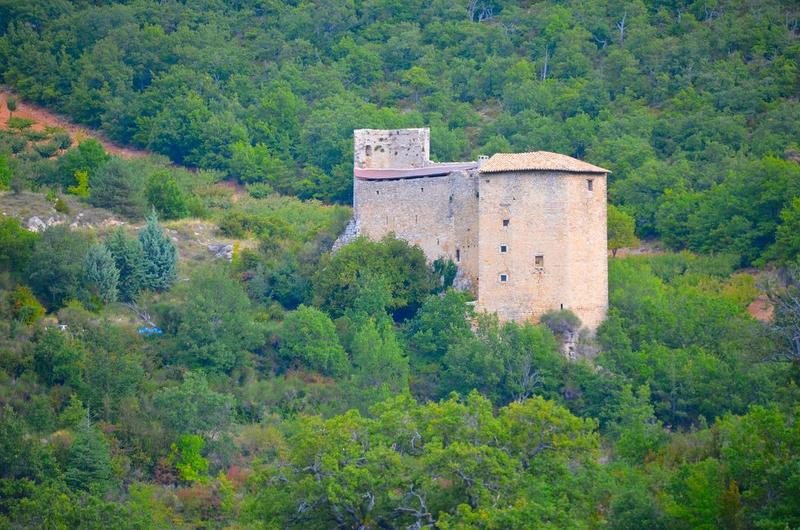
527 231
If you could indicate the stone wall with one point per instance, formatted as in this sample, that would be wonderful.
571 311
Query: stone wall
552 215
440 214
395 148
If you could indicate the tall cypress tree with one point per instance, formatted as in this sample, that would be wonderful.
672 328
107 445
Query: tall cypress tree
130 262
160 254
101 273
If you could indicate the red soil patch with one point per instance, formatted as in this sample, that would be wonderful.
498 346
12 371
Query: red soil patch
761 308
46 118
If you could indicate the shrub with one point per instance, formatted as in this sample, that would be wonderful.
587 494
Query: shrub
46 150
81 189
24 305
165 196
20 123
562 322
62 139
259 190
309 340
61 206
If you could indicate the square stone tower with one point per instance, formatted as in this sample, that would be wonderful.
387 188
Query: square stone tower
542 240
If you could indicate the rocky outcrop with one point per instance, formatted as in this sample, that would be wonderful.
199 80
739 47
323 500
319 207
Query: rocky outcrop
221 250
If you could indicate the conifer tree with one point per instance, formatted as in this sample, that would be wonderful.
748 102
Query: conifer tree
130 262
89 460
100 273
160 255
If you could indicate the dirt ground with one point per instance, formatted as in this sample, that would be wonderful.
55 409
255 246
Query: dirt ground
46 118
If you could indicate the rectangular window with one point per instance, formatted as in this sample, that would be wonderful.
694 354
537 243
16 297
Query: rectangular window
503 249
458 254
538 260
590 184
504 278
505 222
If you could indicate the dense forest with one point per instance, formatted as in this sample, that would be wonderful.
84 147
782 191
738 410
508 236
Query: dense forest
292 387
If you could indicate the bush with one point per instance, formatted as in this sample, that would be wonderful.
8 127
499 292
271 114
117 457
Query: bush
81 189
62 139
259 190
309 340
561 323
46 150
165 196
61 206
24 305
16 122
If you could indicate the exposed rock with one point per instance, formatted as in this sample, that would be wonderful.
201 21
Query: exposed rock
221 250
36 224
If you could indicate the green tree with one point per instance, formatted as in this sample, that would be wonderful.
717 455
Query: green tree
161 256
100 273
55 269
216 330
308 339
58 359
89 156
620 230
88 465
16 245
81 188
129 260
193 407
164 194
6 173
11 104
187 456
119 186
379 367
402 267
787 237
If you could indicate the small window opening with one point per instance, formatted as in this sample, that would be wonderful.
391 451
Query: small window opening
377 192
538 260
503 249
368 150
458 254
590 184
504 277
416 218
562 307
487 181
422 189
505 222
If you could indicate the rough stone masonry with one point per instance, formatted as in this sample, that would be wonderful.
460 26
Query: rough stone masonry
526 230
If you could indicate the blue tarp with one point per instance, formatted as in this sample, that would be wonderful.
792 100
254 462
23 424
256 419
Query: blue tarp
150 330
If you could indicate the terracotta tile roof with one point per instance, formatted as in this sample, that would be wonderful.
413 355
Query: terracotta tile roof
538 161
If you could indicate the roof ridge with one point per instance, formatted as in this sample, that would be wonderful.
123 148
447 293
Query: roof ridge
538 161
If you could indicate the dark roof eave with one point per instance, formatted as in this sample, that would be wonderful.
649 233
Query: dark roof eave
434 170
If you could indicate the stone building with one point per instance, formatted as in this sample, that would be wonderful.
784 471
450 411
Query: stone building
527 231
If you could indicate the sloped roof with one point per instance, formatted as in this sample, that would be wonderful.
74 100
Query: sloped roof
538 161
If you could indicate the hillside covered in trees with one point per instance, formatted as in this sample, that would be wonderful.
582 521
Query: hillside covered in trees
692 105
279 385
